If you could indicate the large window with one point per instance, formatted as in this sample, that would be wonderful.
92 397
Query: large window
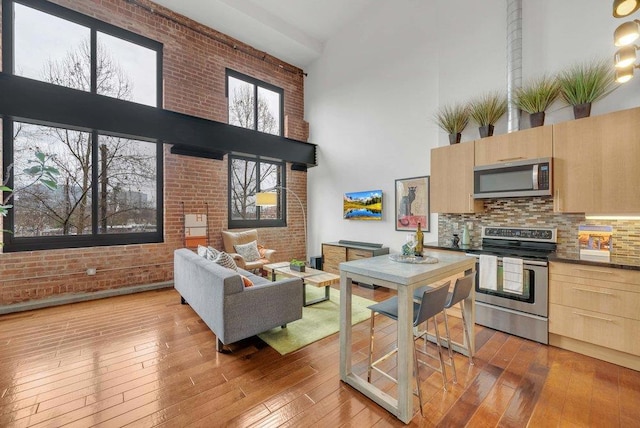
255 105
109 190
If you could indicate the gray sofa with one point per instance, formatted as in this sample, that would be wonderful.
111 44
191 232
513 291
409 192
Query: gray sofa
231 310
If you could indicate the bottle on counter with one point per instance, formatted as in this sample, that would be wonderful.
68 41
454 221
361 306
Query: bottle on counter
419 241
466 239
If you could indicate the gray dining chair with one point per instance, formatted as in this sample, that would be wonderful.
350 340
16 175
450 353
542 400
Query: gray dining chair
461 291
431 303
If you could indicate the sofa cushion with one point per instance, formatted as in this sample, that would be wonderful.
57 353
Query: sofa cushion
246 281
226 260
208 253
248 251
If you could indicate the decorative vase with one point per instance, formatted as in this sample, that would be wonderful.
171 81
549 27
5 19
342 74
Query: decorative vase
455 138
536 119
486 131
581 110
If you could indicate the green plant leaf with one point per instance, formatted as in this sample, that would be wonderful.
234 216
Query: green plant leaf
34 170
40 156
51 184
5 189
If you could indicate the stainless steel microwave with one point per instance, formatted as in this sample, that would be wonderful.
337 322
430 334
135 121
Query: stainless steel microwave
531 177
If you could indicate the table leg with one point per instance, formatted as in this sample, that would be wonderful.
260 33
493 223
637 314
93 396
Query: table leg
345 327
405 354
326 297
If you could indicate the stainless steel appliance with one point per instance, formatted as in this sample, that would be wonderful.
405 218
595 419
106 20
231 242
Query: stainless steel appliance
531 177
524 314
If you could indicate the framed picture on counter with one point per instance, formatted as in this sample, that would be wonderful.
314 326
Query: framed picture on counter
412 203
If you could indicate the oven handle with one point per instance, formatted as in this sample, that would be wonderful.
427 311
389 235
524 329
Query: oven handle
525 261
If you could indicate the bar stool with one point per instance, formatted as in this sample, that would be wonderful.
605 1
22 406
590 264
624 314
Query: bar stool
431 303
461 291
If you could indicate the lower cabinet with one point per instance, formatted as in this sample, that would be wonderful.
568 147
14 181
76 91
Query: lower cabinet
595 311
333 253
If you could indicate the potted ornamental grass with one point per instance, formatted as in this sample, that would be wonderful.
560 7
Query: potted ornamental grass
486 110
584 83
453 119
536 96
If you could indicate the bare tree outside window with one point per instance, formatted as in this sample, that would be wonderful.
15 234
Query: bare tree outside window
126 170
249 176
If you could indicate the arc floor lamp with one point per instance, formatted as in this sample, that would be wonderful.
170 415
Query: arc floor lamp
269 198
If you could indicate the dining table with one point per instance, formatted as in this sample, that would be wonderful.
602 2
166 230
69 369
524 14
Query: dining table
404 276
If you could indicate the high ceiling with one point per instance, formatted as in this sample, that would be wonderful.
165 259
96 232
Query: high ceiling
292 30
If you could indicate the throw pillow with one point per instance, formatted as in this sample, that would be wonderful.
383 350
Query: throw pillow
247 282
212 253
202 251
249 251
225 260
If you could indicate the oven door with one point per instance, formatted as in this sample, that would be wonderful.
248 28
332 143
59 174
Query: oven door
535 289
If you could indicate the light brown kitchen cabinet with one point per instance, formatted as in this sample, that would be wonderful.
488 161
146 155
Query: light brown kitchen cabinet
516 146
451 182
596 164
595 310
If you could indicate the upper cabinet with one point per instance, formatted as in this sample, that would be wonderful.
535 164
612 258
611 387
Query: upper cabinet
528 144
452 180
596 164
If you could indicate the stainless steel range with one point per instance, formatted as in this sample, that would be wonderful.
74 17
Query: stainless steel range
512 280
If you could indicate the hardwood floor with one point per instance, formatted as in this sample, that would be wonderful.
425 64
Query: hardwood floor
145 360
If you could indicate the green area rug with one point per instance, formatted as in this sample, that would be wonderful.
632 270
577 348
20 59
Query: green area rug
318 321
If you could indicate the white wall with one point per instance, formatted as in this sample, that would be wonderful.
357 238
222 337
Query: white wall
370 98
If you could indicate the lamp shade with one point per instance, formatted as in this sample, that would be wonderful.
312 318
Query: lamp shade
622 8
626 33
625 57
624 74
266 199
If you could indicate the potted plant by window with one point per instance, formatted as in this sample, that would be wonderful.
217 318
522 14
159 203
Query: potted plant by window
453 119
536 96
297 265
586 82
486 110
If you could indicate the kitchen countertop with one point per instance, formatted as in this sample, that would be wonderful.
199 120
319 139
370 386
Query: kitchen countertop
560 256
449 247
615 262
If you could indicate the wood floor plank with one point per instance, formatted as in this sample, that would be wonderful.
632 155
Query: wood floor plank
145 360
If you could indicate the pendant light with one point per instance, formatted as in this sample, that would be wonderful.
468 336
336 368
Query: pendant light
622 8
625 74
625 56
626 33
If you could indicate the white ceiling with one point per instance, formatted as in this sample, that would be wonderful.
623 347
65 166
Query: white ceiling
292 30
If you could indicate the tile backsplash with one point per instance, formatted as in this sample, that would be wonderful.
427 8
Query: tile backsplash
538 212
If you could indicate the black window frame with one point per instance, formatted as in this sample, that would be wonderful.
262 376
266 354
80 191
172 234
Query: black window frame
282 221
14 244
256 84
253 223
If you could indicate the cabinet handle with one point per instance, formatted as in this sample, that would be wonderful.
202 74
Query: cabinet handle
470 203
606 293
510 159
606 272
592 316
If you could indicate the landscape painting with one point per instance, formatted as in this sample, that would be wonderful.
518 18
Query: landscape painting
363 205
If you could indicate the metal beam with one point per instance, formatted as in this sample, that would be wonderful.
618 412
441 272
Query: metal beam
48 104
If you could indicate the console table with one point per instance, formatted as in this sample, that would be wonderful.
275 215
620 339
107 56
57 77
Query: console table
334 253
404 278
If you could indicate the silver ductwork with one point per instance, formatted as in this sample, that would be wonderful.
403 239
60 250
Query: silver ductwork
514 61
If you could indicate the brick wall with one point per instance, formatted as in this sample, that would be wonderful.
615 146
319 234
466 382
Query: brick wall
194 82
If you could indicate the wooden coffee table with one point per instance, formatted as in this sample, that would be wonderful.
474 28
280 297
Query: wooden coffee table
310 276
